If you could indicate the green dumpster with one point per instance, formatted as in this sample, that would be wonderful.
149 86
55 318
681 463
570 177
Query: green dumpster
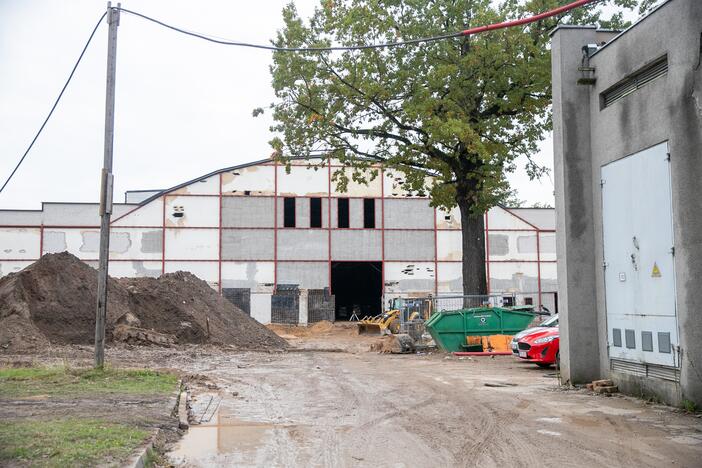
449 329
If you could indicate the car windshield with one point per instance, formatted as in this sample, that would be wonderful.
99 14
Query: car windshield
551 322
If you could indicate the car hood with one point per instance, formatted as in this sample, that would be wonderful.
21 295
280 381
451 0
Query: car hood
548 331
528 331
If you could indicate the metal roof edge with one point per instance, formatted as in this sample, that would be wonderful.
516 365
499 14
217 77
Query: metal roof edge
633 25
571 26
219 171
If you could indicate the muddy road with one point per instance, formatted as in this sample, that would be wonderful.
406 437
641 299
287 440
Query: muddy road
365 409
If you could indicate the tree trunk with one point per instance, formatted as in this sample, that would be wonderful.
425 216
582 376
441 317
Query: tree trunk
473 242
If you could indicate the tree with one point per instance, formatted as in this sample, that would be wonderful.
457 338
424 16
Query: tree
462 109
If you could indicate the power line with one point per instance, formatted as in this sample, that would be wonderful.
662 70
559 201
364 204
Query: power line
210 38
55 102
466 32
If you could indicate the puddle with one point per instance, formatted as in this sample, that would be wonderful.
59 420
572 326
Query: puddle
550 420
226 440
551 433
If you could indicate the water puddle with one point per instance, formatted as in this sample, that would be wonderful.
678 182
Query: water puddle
231 441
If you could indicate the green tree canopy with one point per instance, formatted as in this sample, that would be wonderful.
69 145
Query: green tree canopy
463 109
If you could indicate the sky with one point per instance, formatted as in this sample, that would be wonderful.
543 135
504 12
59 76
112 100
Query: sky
183 106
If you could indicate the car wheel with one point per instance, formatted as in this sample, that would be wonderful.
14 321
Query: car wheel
543 365
558 360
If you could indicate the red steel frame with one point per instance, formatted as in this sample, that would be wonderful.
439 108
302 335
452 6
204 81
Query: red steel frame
219 260
219 263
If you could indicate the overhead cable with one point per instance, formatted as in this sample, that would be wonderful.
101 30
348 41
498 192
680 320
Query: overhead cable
466 32
70 76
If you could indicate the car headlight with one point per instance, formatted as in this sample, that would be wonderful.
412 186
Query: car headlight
546 339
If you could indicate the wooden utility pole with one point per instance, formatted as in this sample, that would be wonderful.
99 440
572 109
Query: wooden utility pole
106 186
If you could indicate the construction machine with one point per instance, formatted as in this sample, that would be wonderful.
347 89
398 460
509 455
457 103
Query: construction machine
400 311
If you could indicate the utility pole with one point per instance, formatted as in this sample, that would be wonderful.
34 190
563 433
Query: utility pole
106 179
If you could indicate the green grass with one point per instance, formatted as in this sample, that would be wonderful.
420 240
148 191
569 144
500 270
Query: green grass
62 381
67 443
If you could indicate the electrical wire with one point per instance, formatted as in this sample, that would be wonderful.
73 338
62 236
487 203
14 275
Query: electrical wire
80 57
466 32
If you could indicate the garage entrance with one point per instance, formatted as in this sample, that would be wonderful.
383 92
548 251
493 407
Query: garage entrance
357 285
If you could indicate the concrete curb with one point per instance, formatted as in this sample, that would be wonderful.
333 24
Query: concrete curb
138 460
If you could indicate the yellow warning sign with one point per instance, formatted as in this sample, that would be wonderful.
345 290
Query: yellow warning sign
656 272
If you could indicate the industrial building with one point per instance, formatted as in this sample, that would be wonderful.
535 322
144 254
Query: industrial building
259 228
627 113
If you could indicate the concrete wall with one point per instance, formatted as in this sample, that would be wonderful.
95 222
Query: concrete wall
227 228
588 136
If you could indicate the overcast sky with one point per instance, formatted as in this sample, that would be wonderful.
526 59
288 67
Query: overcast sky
183 106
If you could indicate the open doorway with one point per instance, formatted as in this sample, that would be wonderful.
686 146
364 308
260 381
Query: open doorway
359 286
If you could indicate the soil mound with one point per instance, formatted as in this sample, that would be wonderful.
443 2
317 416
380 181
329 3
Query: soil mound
52 301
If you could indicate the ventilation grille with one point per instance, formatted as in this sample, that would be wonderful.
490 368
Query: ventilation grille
635 81
645 370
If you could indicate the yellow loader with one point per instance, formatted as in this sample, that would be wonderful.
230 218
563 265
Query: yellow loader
389 322
384 324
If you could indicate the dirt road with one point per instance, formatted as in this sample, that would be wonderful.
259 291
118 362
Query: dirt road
366 409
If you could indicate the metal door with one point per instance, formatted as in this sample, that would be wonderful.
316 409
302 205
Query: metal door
639 258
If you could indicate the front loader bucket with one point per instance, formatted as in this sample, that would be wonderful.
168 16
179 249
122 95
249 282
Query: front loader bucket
369 329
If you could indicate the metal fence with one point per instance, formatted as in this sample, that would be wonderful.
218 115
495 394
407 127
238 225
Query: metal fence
320 305
240 297
285 304
546 302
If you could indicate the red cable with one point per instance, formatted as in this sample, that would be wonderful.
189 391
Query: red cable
531 19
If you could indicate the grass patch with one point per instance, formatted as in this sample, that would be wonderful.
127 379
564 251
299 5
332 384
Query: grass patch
68 442
54 381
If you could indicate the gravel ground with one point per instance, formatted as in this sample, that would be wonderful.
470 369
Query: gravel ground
355 408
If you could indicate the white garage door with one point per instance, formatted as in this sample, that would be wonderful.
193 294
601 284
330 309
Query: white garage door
639 258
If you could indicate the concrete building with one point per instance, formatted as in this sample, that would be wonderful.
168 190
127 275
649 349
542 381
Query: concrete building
247 228
627 113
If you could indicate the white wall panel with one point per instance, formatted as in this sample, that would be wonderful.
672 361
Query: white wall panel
247 274
302 181
256 180
135 268
192 211
192 244
409 277
150 214
448 245
358 189
207 271
19 243
448 219
499 218
209 186
7 267
394 188
450 277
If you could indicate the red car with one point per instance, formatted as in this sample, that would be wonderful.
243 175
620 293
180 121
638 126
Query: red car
541 348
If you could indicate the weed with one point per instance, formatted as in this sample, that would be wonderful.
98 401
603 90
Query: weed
67 442
63 380
689 406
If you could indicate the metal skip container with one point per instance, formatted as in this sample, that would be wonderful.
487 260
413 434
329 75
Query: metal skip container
451 329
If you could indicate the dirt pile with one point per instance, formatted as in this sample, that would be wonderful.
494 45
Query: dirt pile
53 301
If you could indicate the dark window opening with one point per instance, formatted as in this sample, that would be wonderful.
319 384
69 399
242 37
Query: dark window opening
315 212
617 337
342 212
507 301
369 213
664 343
528 301
288 212
357 288
630 339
